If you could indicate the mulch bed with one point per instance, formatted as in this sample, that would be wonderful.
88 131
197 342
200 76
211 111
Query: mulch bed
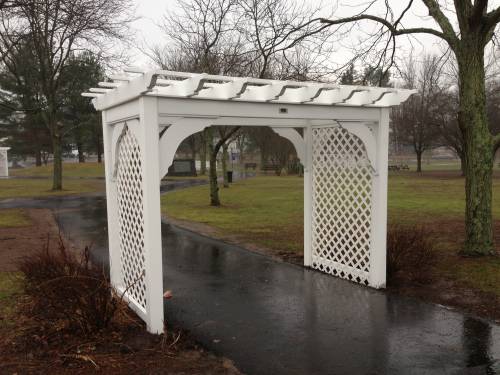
31 344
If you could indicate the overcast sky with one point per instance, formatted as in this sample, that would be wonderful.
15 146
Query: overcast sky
151 12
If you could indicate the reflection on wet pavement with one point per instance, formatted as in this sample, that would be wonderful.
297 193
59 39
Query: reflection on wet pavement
277 318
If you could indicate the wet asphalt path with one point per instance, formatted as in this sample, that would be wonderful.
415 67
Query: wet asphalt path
277 318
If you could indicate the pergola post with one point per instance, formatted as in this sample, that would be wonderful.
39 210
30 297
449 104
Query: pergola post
111 204
307 197
379 204
152 214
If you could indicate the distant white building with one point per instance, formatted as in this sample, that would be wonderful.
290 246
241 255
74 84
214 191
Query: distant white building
4 162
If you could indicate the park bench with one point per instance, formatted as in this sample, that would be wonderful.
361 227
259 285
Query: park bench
251 166
399 167
269 167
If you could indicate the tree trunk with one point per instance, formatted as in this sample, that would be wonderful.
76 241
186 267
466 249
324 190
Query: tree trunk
419 161
214 187
99 151
478 150
263 159
203 153
57 149
81 156
98 139
224 165
38 158
462 165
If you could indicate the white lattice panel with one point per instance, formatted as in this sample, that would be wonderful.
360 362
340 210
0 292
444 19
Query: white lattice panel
341 204
129 186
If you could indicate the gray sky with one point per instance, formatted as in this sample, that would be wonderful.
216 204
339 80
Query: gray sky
151 12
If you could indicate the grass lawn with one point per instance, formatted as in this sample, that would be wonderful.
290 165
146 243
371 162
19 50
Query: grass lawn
268 211
10 286
264 210
13 217
18 188
69 170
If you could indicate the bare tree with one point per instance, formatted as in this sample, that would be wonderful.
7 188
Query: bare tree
415 120
447 123
235 37
56 28
476 26
225 133
273 28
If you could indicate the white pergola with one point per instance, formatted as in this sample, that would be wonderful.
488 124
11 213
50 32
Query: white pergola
343 146
4 162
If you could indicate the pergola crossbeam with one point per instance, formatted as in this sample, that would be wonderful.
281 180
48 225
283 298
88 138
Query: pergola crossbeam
214 87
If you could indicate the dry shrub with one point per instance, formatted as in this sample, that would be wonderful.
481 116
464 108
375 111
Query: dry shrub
69 288
410 253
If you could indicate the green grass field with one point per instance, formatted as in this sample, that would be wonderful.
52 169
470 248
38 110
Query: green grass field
87 170
268 211
25 187
13 217
268 204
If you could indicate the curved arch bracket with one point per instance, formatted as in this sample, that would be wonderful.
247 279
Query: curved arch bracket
118 133
366 133
297 140
176 132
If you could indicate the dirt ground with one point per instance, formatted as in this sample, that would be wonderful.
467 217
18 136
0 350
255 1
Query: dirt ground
28 345
19 242
438 288
442 289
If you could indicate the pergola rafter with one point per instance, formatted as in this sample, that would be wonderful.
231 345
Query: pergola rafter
343 146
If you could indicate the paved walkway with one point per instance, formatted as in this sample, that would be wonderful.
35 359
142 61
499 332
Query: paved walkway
277 318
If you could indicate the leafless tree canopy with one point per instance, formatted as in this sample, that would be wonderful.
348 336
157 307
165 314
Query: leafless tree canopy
416 121
261 38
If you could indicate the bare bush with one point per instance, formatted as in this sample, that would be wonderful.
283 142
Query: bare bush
410 253
70 289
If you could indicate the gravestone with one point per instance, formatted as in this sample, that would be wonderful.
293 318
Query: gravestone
182 167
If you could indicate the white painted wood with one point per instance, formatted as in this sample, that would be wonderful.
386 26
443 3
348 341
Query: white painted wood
137 105
185 107
179 130
298 142
307 197
379 205
213 87
116 276
341 203
364 132
109 84
152 215
100 90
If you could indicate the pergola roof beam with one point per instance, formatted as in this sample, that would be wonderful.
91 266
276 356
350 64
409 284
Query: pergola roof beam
109 84
135 82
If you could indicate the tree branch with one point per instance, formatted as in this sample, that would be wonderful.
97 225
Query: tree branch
392 28
492 19
496 143
444 23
